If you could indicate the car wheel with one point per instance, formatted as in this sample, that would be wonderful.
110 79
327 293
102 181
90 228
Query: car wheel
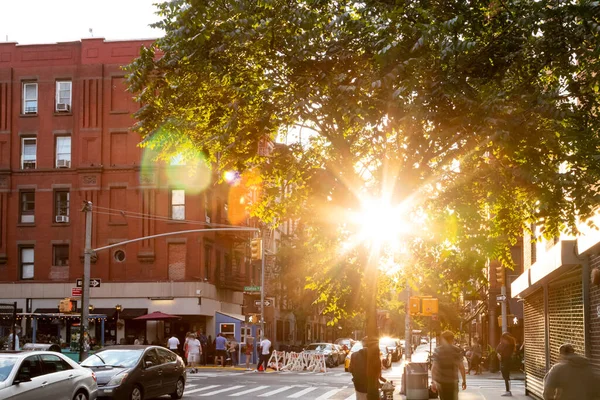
81 396
178 389
136 394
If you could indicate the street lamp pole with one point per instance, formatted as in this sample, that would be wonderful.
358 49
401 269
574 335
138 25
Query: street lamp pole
85 297
262 286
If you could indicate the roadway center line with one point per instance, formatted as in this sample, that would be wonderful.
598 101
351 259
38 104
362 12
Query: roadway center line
302 393
272 392
222 390
248 391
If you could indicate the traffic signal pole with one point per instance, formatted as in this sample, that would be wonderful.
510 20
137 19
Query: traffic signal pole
504 316
262 285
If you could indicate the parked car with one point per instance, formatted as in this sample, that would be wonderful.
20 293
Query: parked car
394 345
347 342
329 350
384 354
341 354
26 375
137 372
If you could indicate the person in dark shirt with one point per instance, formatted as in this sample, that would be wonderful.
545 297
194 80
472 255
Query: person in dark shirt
358 368
448 360
572 378
505 351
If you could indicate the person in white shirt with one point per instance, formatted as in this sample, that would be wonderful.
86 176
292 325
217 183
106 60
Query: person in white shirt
14 337
265 353
173 344
194 350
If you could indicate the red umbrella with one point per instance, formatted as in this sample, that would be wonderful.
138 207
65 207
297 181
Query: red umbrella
157 316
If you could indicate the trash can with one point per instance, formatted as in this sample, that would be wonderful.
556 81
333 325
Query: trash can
417 381
41 347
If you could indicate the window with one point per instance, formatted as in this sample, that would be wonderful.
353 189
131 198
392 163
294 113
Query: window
207 257
165 356
63 152
227 329
27 207
52 363
178 204
61 255
26 260
246 332
63 96
31 365
152 357
28 153
30 98
61 206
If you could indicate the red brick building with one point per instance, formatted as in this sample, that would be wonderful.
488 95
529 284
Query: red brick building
65 137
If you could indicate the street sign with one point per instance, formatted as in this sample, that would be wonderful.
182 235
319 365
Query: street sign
251 288
501 297
76 292
268 303
94 282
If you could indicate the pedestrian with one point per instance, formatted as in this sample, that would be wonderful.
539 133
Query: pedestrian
185 346
572 378
173 344
203 342
232 350
221 348
13 337
447 362
505 351
248 352
476 354
194 349
358 368
265 353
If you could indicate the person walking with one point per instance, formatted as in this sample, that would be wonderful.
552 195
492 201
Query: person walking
173 344
204 343
221 349
447 362
358 369
232 348
194 349
572 378
248 352
505 351
265 353
476 354
185 347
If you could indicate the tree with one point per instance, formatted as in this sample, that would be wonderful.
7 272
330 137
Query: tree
482 115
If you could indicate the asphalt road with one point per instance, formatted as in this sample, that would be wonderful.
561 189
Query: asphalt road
335 384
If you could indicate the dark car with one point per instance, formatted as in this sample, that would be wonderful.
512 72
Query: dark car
394 345
137 372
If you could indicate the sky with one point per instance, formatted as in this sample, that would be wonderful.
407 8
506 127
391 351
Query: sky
50 21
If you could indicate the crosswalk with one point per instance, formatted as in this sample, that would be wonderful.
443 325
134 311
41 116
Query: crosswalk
493 384
265 391
199 374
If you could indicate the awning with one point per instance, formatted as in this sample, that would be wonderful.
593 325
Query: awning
4 313
46 310
109 312
131 313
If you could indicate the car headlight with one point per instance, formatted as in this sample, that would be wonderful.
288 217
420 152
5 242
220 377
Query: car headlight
118 379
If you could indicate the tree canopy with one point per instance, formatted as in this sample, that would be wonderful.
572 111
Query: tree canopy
480 114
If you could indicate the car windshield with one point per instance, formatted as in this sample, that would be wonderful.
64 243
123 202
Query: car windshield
318 347
6 365
118 358
389 342
357 346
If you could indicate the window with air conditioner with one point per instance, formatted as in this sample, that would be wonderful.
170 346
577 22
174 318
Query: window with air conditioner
28 153
30 98
63 96
63 152
60 255
178 204
26 261
61 206
27 207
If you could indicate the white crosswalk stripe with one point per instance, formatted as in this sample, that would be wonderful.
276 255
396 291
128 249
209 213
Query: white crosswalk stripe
256 389
201 389
271 393
229 389
302 393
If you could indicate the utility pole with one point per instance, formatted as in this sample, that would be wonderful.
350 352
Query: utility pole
504 316
85 298
262 286
407 326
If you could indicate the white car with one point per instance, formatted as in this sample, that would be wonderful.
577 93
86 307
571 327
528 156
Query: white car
37 375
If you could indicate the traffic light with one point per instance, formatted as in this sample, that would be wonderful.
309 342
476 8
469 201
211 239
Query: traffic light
67 306
414 304
500 275
430 306
256 249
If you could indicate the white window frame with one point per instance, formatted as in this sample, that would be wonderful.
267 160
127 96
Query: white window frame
23 264
28 158
245 332
58 83
25 99
177 206
63 156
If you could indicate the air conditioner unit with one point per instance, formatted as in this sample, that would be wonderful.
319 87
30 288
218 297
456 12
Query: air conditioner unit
63 163
63 107
61 219
28 164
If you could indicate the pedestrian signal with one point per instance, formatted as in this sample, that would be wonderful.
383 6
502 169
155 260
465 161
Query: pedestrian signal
256 249
67 306
414 304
